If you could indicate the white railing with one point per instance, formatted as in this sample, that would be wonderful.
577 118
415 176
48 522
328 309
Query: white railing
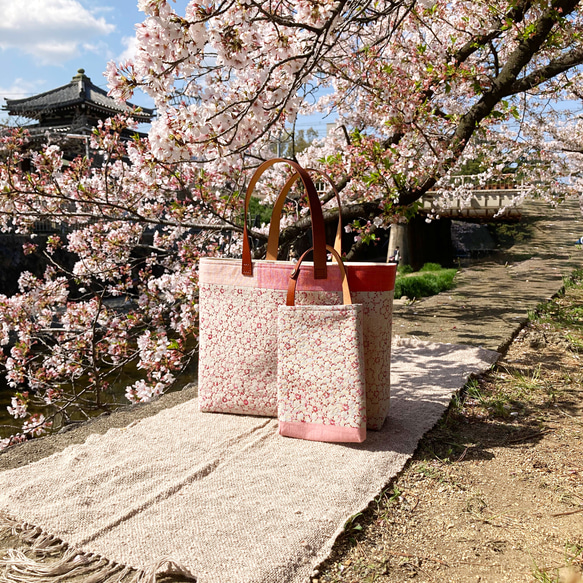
487 199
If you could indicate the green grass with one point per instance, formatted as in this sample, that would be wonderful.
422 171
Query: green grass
430 280
431 267
573 555
404 270
564 317
256 209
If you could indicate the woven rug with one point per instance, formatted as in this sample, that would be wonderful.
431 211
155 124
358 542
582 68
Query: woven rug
217 498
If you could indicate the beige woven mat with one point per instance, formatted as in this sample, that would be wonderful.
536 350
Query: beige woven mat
222 497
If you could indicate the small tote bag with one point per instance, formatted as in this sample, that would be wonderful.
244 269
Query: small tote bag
320 367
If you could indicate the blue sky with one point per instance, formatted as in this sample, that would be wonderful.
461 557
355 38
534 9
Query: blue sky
44 42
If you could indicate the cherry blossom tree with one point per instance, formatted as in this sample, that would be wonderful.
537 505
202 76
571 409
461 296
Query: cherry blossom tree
124 310
415 90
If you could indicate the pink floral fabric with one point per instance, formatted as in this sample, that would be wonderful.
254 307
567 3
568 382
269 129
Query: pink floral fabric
237 370
321 379
377 332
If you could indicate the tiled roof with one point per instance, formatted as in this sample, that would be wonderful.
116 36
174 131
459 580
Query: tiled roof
39 132
79 90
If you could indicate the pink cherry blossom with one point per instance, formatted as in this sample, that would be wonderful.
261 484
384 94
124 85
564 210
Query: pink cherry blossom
415 93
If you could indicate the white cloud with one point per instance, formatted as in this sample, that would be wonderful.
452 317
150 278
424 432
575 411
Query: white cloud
130 44
51 30
99 48
21 88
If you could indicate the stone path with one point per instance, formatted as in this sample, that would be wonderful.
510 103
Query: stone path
491 301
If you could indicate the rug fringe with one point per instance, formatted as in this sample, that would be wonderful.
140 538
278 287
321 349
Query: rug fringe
162 567
39 562
18 567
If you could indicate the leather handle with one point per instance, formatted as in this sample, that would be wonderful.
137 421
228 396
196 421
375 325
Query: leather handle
293 278
273 241
318 232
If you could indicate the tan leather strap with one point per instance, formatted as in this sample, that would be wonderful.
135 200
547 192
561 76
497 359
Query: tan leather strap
273 241
318 232
293 279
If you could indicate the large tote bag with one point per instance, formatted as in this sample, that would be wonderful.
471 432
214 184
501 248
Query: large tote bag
238 301
321 391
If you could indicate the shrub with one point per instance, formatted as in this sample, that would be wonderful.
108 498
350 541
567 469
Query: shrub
424 284
404 269
256 209
431 267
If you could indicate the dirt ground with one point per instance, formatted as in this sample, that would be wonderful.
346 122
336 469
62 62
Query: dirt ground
495 491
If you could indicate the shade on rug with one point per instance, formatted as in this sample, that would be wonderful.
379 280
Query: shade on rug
222 498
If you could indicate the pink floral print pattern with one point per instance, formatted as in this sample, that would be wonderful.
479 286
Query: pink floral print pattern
321 377
377 310
237 370
238 347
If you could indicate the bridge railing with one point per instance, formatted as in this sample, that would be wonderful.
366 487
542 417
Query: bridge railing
486 201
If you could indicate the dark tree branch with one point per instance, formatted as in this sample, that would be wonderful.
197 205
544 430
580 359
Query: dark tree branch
502 86
552 69
515 14
367 210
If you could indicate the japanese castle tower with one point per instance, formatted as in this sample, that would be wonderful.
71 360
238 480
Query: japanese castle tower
67 114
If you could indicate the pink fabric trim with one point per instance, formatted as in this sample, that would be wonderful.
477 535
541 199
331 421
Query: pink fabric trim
275 274
318 432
